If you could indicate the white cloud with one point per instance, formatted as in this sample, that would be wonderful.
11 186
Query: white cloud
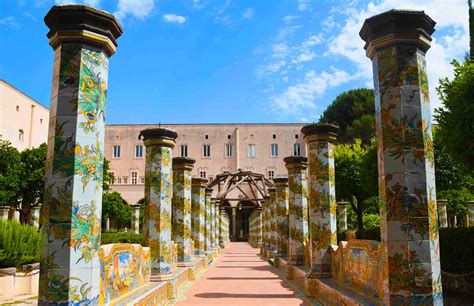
303 5
301 97
198 4
290 18
451 16
136 8
10 22
248 13
173 18
64 2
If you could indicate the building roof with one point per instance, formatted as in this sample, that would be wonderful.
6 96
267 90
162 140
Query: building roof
22 93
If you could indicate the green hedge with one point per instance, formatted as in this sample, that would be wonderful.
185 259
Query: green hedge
121 237
19 244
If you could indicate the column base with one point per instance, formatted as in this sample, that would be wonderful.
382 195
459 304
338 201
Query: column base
161 277
319 274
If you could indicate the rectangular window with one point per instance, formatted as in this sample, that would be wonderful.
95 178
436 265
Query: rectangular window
125 180
296 149
142 180
139 151
202 174
206 150
211 178
228 150
274 149
116 151
184 150
119 180
251 151
271 174
134 177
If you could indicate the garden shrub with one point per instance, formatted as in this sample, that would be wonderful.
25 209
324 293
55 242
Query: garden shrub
121 237
19 244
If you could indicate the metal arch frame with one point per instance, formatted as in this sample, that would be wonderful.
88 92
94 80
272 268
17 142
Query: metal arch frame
227 182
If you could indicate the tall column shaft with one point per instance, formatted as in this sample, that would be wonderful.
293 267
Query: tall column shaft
69 262
342 216
182 168
320 140
35 216
218 223
135 219
396 42
199 214
470 214
222 227
298 208
273 220
234 222
208 220
442 213
281 199
159 144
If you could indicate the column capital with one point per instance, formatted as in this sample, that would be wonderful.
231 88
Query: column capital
281 181
342 204
199 182
441 202
271 190
183 163
296 162
162 137
208 191
397 26
80 23
320 132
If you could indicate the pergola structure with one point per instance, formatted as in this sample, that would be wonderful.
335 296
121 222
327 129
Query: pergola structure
241 186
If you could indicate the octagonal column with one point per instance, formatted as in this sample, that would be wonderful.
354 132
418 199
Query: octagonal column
259 227
198 187
342 216
35 216
281 199
470 214
273 220
182 168
213 223
208 220
222 227
267 223
396 42
159 143
83 39
135 226
218 223
320 140
442 213
298 208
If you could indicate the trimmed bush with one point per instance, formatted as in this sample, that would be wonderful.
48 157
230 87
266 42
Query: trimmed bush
121 237
19 244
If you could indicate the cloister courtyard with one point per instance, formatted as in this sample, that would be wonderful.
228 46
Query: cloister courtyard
242 237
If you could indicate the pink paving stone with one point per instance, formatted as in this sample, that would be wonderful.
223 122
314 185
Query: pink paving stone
241 277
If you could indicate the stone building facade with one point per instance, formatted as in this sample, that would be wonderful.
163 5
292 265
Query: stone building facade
23 120
215 147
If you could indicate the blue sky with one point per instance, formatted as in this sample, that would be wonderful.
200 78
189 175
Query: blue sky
198 61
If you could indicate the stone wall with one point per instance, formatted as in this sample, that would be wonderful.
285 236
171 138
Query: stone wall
124 267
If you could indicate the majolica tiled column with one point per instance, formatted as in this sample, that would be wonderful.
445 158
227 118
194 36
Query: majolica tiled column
442 213
135 226
259 227
213 224
320 140
159 143
199 214
182 168
266 222
4 210
222 226
470 214
83 39
281 199
208 220
298 208
396 42
218 223
273 220
342 216
35 216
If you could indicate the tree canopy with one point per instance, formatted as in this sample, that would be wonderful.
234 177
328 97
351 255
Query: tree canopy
354 112
117 209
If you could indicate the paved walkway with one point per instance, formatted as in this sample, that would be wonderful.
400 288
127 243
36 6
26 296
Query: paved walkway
241 277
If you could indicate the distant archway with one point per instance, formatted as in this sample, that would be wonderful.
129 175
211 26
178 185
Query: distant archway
240 193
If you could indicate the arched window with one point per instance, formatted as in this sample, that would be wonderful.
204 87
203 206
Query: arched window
21 135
